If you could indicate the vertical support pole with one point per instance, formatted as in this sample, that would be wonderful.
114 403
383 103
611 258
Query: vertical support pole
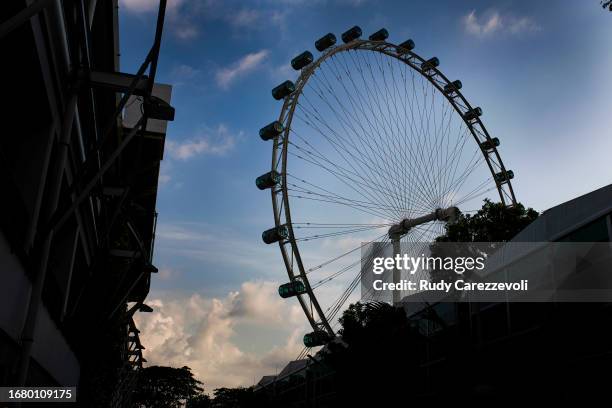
397 276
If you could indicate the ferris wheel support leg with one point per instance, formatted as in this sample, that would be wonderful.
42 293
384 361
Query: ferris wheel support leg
397 231
396 272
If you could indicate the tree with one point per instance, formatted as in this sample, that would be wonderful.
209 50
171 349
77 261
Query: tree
166 387
239 397
606 4
493 223
199 401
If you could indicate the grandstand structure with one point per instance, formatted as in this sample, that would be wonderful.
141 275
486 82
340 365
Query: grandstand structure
79 167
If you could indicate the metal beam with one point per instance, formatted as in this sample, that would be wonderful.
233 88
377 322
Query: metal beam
404 226
117 81
22 17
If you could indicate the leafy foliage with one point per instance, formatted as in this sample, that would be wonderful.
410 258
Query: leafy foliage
240 397
199 401
494 222
166 387
606 4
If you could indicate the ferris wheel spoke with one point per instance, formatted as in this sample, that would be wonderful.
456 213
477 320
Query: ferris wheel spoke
391 153
330 193
399 127
442 148
376 105
365 114
337 233
482 188
382 237
365 209
417 131
474 162
450 156
373 158
376 135
339 199
406 172
344 269
337 147
409 151
350 182
450 169
335 225
383 176
358 158
365 186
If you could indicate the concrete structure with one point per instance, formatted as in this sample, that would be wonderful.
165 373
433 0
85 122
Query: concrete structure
77 208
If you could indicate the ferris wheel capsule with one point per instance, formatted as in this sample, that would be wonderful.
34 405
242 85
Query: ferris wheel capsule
271 130
290 289
351 34
504 176
283 90
407 45
301 60
325 42
275 234
380 35
473 114
316 338
268 180
430 64
452 87
490 144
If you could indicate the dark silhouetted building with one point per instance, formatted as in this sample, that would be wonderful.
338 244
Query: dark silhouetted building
78 180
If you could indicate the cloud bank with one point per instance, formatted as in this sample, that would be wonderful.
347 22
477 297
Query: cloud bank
203 333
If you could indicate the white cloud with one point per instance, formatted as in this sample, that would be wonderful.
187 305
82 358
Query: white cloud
495 22
205 333
213 142
244 18
523 25
473 26
246 64
177 15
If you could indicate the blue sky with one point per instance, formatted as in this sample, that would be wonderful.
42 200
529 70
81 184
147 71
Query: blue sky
540 71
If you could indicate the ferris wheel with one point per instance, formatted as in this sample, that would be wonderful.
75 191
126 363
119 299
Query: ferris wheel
373 144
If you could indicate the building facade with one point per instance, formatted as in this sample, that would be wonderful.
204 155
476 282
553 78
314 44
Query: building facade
78 175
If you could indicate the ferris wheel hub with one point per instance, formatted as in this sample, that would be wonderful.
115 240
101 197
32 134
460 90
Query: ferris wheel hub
400 229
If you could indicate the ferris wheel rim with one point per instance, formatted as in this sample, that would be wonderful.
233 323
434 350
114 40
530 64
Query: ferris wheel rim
438 80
